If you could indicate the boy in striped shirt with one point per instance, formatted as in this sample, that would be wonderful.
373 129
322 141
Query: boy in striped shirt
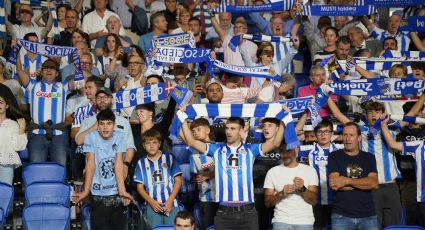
158 179
202 168
415 149
233 172
317 155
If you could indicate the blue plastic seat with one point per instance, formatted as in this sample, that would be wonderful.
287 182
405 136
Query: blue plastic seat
6 197
403 227
46 217
47 192
197 215
86 216
210 228
43 172
1 217
181 153
163 227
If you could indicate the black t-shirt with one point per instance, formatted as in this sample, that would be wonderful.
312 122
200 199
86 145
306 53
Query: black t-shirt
355 203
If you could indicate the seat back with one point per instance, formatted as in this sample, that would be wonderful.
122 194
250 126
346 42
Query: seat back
47 192
163 227
86 216
6 197
1 217
43 172
403 227
210 228
46 217
180 153
197 215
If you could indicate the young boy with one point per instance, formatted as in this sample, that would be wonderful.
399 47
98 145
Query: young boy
158 179
104 174
202 167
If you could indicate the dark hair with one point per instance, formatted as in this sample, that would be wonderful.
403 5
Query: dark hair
117 43
323 124
185 215
66 6
417 65
324 21
12 112
180 69
332 28
375 106
139 51
271 120
344 40
408 106
236 120
199 122
353 124
155 76
154 17
391 38
96 80
151 134
195 19
28 35
105 115
148 107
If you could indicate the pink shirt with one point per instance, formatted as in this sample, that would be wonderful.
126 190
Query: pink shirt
310 90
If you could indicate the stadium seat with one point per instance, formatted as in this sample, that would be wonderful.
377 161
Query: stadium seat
46 217
180 153
403 227
197 215
210 228
86 216
1 217
43 172
6 197
181 207
47 192
163 227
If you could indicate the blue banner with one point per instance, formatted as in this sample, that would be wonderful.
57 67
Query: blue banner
138 96
395 3
335 10
175 40
282 5
414 24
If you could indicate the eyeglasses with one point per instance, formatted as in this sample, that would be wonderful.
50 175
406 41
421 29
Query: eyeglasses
322 133
86 63
102 97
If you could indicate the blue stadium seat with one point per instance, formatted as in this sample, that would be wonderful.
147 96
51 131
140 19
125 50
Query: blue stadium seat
403 227
6 197
211 228
163 227
86 216
1 217
46 217
47 192
43 172
181 206
197 215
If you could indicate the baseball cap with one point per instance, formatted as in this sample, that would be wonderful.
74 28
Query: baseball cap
50 64
105 91
212 81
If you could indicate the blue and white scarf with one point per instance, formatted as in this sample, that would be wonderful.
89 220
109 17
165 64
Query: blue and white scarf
236 40
181 95
395 3
335 10
275 5
377 87
138 96
377 126
175 40
414 24
238 110
180 55
54 51
321 98
383 64
258 71
297 105
413 55
2 19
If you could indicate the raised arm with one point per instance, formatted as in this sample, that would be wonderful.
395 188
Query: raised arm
221 33
417 41
301 122
49 22
388 137
336 112
191 141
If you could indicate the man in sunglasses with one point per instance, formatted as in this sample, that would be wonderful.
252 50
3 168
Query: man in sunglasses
26 26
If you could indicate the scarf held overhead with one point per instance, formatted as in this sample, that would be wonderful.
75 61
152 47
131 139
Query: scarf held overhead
258 71
55 51
175 40
335 10
236 40
275 5
238 110
138 96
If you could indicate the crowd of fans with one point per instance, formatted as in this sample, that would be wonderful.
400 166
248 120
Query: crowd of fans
345 178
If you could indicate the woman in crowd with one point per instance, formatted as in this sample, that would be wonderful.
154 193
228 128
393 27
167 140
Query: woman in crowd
331 37
13 137
182 21
55 31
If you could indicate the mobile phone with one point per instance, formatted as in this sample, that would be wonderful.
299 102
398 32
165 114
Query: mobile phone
127 50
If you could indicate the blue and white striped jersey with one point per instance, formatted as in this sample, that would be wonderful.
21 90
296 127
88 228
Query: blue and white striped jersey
233 171
158 176
318 159
386 163
81 114
403 40
200 163
47 103
417 150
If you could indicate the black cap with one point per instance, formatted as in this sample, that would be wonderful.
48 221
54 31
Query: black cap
105 91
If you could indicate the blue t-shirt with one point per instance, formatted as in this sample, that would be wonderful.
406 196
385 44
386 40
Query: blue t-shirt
105 152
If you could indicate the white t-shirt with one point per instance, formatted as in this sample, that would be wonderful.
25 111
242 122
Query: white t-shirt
292 209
